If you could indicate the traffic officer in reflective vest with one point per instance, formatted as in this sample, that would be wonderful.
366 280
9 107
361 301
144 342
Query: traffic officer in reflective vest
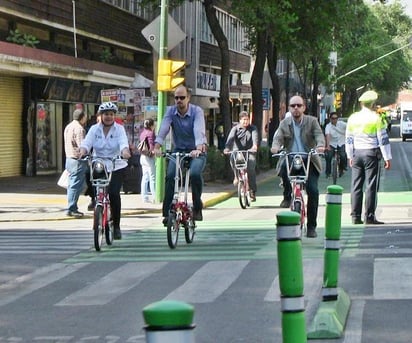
366 142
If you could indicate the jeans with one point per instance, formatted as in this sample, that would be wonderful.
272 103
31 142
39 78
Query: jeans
197 165
148 176
77 170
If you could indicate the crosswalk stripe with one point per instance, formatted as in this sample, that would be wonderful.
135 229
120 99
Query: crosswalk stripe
210 281
112 285
312 269
40 278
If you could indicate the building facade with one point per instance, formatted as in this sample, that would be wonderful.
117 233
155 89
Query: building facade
53 55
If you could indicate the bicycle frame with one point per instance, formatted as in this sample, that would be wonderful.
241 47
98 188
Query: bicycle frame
298 173
240 161
100 178
335 165
180 212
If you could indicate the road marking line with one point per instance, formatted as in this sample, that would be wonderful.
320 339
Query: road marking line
392 278
29 283
210 281
112 285
312 270
353 329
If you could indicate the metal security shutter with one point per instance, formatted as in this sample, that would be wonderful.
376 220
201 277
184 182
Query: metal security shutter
11 145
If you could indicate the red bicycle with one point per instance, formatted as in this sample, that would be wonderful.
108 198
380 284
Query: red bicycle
297 167
181 212
100 178
240 159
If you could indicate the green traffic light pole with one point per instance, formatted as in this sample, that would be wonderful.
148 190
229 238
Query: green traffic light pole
162 99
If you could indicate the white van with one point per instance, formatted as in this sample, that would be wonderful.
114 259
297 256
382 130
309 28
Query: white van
405 129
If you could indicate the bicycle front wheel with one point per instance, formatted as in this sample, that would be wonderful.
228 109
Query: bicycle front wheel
190 230
334 170
172 230
98 227
242 194
108 230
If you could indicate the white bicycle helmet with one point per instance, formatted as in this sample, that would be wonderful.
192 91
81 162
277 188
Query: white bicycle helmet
107 106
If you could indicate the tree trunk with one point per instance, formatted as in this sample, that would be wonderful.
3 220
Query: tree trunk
224 103
272 57
256 81
315 83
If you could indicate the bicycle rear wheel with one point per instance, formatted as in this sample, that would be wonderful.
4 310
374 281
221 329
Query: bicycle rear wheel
242 194
172 230
334 170
108 230
98 227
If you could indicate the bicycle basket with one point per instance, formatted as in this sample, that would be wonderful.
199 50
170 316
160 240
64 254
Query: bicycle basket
99 170
240 160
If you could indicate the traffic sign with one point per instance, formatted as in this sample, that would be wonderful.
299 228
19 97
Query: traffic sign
152 33
265 98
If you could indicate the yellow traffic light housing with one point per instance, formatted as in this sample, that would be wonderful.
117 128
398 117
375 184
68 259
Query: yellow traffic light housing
166 71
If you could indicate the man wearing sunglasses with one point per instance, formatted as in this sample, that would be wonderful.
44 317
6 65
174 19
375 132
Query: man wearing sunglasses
301 133
189 135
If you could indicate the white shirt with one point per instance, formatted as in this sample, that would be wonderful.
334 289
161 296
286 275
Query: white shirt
107 146
337 133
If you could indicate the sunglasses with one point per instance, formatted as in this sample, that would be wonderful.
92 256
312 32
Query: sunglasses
296 105
183 97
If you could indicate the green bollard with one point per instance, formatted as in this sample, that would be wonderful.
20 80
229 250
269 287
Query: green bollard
290 268
330 319
332 242
169 321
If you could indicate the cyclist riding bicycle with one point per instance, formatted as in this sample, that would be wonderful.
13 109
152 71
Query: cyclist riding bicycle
335 139
301 133
108 139
244 136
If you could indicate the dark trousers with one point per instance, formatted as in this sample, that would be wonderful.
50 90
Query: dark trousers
328 157
312 191
197 165
365 172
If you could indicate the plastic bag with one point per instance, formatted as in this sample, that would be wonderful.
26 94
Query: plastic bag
64 179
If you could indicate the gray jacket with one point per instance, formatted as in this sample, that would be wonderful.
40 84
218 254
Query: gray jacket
312 137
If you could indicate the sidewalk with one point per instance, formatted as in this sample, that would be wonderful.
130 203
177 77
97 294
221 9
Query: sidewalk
39 198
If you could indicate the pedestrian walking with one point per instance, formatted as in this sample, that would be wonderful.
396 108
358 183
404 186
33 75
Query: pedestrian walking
366 141
147 160
74 134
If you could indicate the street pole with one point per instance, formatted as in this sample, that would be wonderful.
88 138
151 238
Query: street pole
162 99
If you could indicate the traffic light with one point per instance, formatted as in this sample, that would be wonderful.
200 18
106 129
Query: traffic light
166 74
338 100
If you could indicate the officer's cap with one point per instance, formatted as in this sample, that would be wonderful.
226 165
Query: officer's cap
368 96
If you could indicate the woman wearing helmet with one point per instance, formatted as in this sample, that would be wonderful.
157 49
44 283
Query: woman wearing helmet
108 139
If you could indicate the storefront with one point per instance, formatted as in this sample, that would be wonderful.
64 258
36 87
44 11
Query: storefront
11 140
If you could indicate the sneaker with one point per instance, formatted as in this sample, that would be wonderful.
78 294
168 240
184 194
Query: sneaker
197 215
74 214
235 181
285 203
117 234
252 196
311 233
91 205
